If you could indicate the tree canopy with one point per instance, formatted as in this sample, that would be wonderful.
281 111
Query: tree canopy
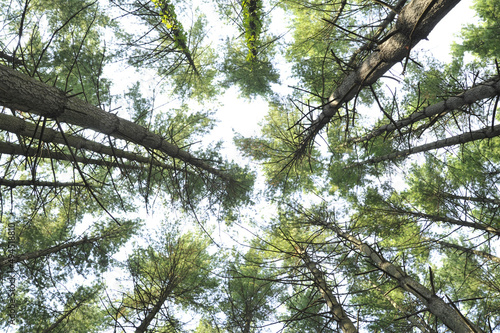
367 199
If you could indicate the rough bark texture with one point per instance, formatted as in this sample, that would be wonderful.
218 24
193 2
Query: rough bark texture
23 128
488 89
335 307
21 92
29 182
14 149
414 23
446 313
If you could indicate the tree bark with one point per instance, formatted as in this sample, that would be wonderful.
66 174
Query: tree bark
21 92
414 23
151 314
14 149
335 307
30 182
64 316
484 90
484 133
447 314
23 128
45 252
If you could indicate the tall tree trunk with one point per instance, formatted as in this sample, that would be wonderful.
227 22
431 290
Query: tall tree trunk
154 311
14 149
484 133
446 313
449 220
415 21
335 307
21 92
64 316
30 182
26 129
481 91
483 254
54 249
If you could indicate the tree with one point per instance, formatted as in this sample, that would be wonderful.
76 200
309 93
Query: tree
175 271
378 172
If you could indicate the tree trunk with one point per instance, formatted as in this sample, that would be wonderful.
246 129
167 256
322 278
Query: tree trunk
335 307
415 21
30 182
21 92
447 314
14 149
45 252
465 249
23 128
445 219
484 90
484 133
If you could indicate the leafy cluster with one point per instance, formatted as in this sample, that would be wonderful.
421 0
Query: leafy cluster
169 19
252 13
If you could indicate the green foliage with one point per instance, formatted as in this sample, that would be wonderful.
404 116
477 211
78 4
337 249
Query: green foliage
169 19
253 77
328 202
250 292
275 149
482 39
173 271
252 13
62 43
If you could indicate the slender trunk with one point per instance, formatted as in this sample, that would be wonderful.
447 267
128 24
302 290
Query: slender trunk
464 249
54 249
60 319
30 182
483 200
23 128
445 219
335 307
415 21
21 92
446 313
484 133
14 149
484 90
154 311
248 323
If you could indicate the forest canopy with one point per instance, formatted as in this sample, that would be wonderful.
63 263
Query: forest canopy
366 200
